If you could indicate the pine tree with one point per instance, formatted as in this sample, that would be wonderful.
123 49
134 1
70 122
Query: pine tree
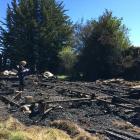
36 30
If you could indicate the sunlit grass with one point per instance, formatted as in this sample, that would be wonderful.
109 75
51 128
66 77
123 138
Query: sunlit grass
12 129
75 132
126 126
62 77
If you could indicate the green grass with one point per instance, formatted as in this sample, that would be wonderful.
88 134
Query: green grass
12 129
63 77
18 136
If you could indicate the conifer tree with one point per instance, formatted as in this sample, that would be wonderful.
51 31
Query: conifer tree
36 30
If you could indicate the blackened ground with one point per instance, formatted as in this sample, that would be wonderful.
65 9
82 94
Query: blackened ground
89 115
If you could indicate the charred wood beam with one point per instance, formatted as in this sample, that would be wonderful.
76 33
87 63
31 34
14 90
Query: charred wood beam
7 92
134 90
125 106
124 133
6 100
9 78
112 90
70 100
48 110
46 85
104 101
74 92
17 96
117 136
44 103
105 89
94 131
119 99
109 102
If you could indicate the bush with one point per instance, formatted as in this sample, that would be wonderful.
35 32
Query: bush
68 59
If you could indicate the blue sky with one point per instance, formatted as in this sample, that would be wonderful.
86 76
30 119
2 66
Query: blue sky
127 9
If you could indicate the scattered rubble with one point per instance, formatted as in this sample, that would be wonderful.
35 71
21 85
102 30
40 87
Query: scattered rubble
9 72
48 75
92 105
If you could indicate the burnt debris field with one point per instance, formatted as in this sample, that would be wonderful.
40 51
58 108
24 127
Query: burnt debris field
109 107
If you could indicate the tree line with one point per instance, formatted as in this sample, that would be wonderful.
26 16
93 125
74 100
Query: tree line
40 32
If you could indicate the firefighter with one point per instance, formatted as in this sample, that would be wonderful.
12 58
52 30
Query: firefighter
22 71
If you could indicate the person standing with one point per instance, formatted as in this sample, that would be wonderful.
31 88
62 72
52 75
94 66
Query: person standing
0 61
22 71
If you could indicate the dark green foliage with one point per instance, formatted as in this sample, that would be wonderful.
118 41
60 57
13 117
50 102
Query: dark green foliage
36 30
103 47
131 63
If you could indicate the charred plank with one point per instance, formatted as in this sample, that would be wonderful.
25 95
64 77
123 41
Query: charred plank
6 100
124 133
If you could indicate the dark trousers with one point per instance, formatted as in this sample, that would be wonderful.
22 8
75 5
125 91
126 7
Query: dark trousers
21 83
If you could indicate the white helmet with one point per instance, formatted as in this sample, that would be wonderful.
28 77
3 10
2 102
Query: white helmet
23 63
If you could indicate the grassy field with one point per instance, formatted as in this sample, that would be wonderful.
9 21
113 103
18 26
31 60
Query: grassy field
12 129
